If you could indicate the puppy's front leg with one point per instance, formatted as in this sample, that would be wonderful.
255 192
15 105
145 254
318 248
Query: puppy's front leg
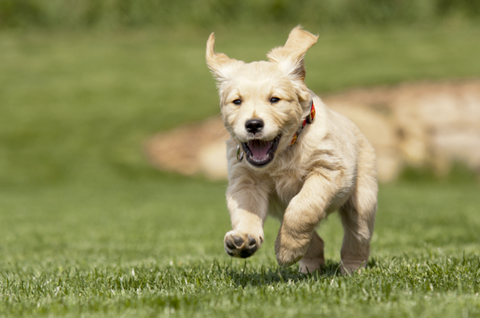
303 213
247 202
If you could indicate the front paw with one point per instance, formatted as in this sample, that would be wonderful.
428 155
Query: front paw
290 250
242 245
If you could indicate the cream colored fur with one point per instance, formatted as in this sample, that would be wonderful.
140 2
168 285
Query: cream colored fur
331 167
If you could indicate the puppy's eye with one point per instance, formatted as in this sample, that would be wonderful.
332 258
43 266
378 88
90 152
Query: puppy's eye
274 100
237 101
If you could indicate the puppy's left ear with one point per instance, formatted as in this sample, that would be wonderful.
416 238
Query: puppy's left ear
220 64
290 57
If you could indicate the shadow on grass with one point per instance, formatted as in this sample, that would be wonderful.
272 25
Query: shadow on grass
265 275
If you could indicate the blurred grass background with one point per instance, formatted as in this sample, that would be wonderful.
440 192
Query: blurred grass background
79 104
203 13
84 83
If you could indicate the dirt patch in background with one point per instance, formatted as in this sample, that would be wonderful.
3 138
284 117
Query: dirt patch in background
415 124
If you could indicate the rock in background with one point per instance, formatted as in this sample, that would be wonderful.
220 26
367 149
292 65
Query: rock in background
415 124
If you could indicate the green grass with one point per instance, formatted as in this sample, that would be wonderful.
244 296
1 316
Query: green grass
157 248
77 104
89 229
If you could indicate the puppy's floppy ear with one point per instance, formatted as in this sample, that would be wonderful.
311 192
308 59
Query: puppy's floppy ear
290 57
220 64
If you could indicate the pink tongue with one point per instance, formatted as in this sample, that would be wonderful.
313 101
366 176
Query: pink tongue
259 149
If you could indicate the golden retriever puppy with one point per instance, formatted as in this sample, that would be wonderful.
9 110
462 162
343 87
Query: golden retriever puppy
291 157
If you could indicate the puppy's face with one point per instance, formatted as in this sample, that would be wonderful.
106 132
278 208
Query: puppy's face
261 110
263 103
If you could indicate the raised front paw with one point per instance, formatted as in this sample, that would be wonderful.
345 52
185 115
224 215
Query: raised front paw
242 245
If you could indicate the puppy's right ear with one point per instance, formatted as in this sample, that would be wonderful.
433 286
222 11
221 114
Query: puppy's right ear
220 64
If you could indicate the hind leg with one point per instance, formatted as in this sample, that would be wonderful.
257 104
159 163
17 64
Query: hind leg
314 257
358 218
358 213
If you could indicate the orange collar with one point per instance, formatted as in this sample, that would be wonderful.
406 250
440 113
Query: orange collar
307 120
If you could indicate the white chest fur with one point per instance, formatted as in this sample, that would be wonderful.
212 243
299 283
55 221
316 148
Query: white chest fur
285 186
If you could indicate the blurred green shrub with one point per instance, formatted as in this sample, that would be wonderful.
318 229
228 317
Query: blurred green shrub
203 13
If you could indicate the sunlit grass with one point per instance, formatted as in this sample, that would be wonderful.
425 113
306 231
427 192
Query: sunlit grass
157 248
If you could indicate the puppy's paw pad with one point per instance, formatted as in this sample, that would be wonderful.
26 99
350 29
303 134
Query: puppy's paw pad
240 244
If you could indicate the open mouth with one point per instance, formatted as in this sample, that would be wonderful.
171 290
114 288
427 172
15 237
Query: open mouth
260 152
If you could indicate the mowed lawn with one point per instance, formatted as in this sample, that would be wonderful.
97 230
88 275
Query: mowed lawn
156 248
88 229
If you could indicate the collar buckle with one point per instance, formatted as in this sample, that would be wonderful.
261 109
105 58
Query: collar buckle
240 154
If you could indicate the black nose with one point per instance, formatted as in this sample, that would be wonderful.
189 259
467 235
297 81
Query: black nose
254 125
